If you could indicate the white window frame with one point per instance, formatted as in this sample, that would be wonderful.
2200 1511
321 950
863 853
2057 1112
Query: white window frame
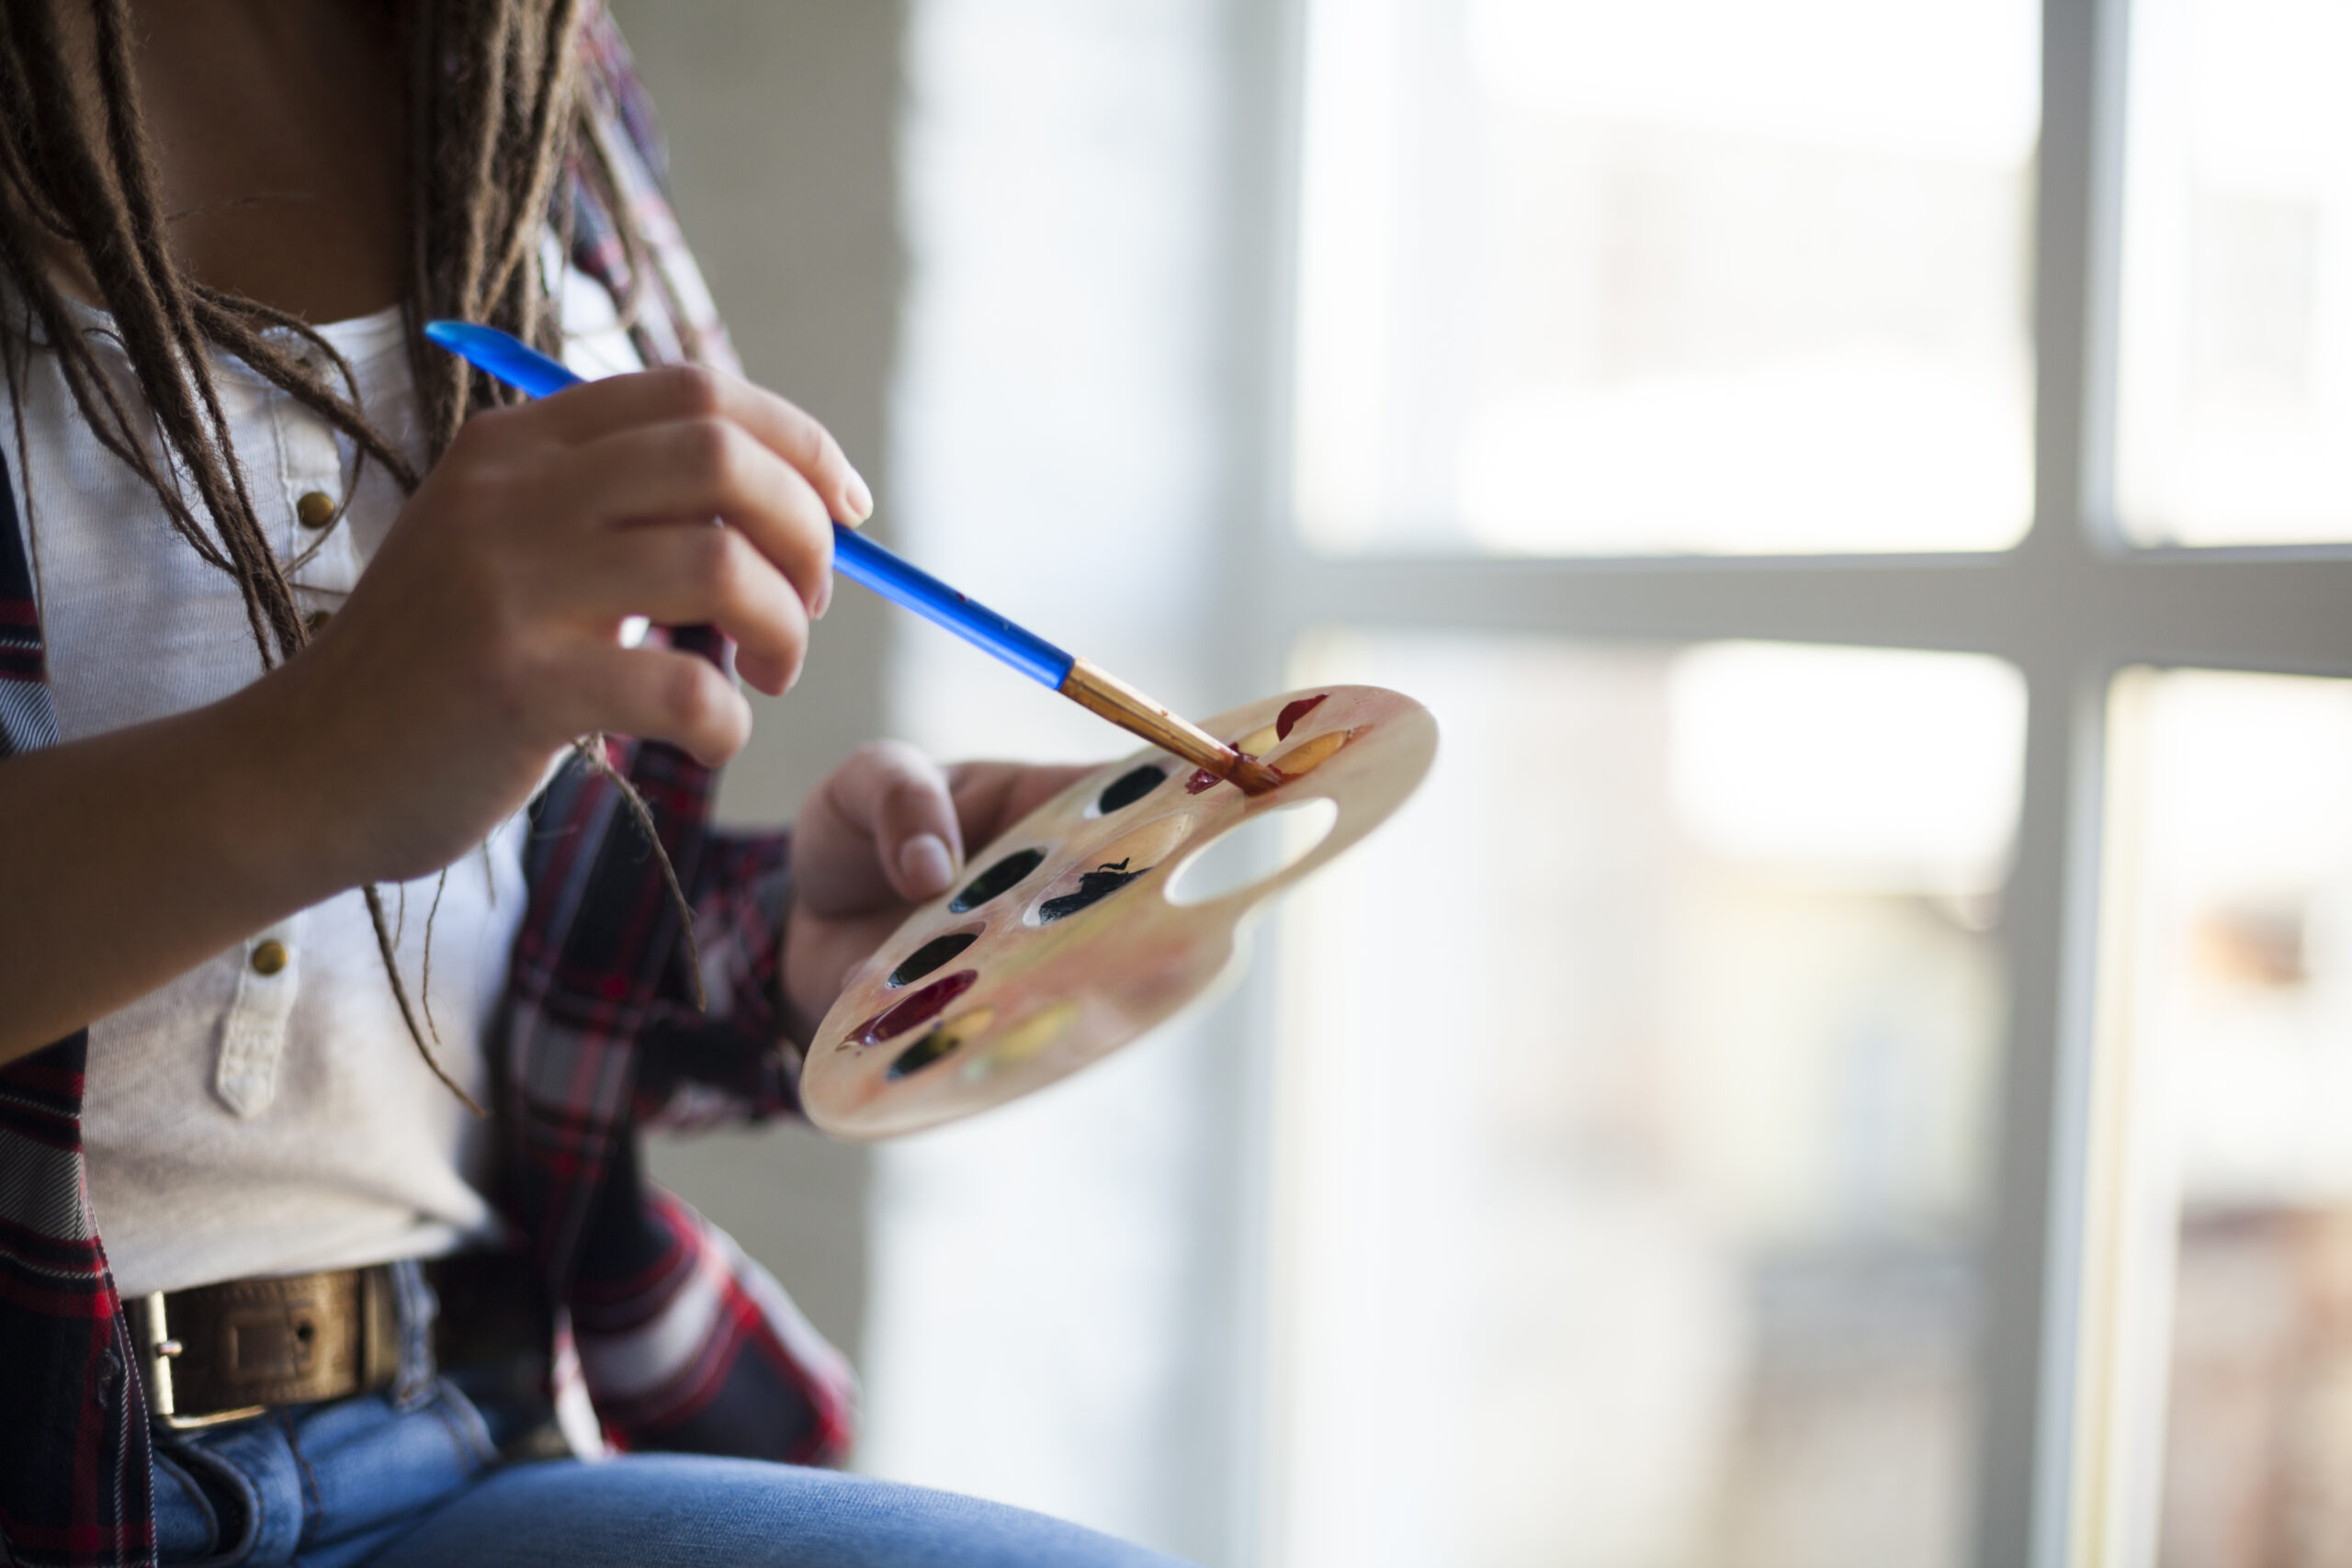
2069 606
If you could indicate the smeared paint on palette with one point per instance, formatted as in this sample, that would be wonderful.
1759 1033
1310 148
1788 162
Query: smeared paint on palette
1061 944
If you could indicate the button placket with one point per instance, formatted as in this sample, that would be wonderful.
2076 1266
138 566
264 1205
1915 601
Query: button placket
311 474
253 1035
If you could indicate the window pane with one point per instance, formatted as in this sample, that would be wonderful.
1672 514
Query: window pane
2234 413
1633 1114
1581 276
2235 1024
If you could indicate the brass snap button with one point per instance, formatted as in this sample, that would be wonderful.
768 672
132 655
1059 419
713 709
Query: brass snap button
269 957
315 509
316 619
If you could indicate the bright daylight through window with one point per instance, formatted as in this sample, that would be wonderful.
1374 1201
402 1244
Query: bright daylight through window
2231 899
2235 414
1573 284
1871 959
1681 1198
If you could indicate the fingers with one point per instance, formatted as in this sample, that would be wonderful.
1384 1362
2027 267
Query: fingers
686 573
690 392
899 797
708 467
659 693
881 829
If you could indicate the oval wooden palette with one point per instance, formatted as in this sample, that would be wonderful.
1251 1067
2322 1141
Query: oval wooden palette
1061 943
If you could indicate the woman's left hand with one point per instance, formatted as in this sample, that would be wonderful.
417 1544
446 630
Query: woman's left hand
884 832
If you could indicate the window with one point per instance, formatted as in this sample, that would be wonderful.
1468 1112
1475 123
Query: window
2230 1050
2236 278
1632 1127
1554 251
1858 481
1840 1064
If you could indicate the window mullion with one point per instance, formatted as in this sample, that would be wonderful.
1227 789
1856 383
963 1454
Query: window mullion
2028 1352
2026 1478
2265 610
2077 217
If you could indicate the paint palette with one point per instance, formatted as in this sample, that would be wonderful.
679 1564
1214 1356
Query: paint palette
1103 912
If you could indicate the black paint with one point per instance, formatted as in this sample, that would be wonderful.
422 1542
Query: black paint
929 956
998 879
1130 788
1093 887
940 1042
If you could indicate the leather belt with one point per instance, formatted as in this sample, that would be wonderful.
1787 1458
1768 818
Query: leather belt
223 1352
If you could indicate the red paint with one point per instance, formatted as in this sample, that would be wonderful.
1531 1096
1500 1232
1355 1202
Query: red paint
1251 776
1296 711
920 1007
1203 779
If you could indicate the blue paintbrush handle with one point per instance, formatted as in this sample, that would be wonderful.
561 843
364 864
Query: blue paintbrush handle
856 557
862 560
504 355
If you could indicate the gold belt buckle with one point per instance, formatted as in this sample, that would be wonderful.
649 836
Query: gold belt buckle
162 1349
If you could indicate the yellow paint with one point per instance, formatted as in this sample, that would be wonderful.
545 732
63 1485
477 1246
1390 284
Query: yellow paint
959 1032
1024 1041
1309 755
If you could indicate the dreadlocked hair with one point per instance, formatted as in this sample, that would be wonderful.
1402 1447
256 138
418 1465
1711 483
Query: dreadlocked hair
498 115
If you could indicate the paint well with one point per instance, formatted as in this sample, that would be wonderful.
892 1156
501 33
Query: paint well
1258 741
915 1008
943 1040
1021 1042
1310 754
1093 887
933 1046
997 881
1114 866
1129 787
932 954
1287 720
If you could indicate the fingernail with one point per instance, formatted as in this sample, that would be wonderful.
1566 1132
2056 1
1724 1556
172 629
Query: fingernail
860 500
824 599
924 863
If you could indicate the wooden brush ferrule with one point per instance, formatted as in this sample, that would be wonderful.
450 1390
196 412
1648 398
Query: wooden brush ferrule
1100 691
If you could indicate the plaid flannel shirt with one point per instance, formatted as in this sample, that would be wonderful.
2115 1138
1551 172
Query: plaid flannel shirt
684 1342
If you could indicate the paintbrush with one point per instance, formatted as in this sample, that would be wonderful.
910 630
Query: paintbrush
860 559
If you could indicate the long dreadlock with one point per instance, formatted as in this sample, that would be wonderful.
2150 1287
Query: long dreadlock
497 113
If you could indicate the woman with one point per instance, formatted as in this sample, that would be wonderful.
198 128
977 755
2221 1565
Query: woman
294 620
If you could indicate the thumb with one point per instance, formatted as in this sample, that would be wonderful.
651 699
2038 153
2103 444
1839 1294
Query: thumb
880 830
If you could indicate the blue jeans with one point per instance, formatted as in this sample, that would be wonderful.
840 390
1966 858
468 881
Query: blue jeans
414 1480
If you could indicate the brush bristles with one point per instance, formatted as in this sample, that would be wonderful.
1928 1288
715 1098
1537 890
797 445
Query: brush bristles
1252 776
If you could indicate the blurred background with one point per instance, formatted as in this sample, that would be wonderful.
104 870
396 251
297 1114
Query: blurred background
1849 1060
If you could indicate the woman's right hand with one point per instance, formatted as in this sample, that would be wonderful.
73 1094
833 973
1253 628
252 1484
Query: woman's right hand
485 635
482 640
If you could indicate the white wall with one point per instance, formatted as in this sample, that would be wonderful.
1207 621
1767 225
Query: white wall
992 243
1056 1284
782 128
